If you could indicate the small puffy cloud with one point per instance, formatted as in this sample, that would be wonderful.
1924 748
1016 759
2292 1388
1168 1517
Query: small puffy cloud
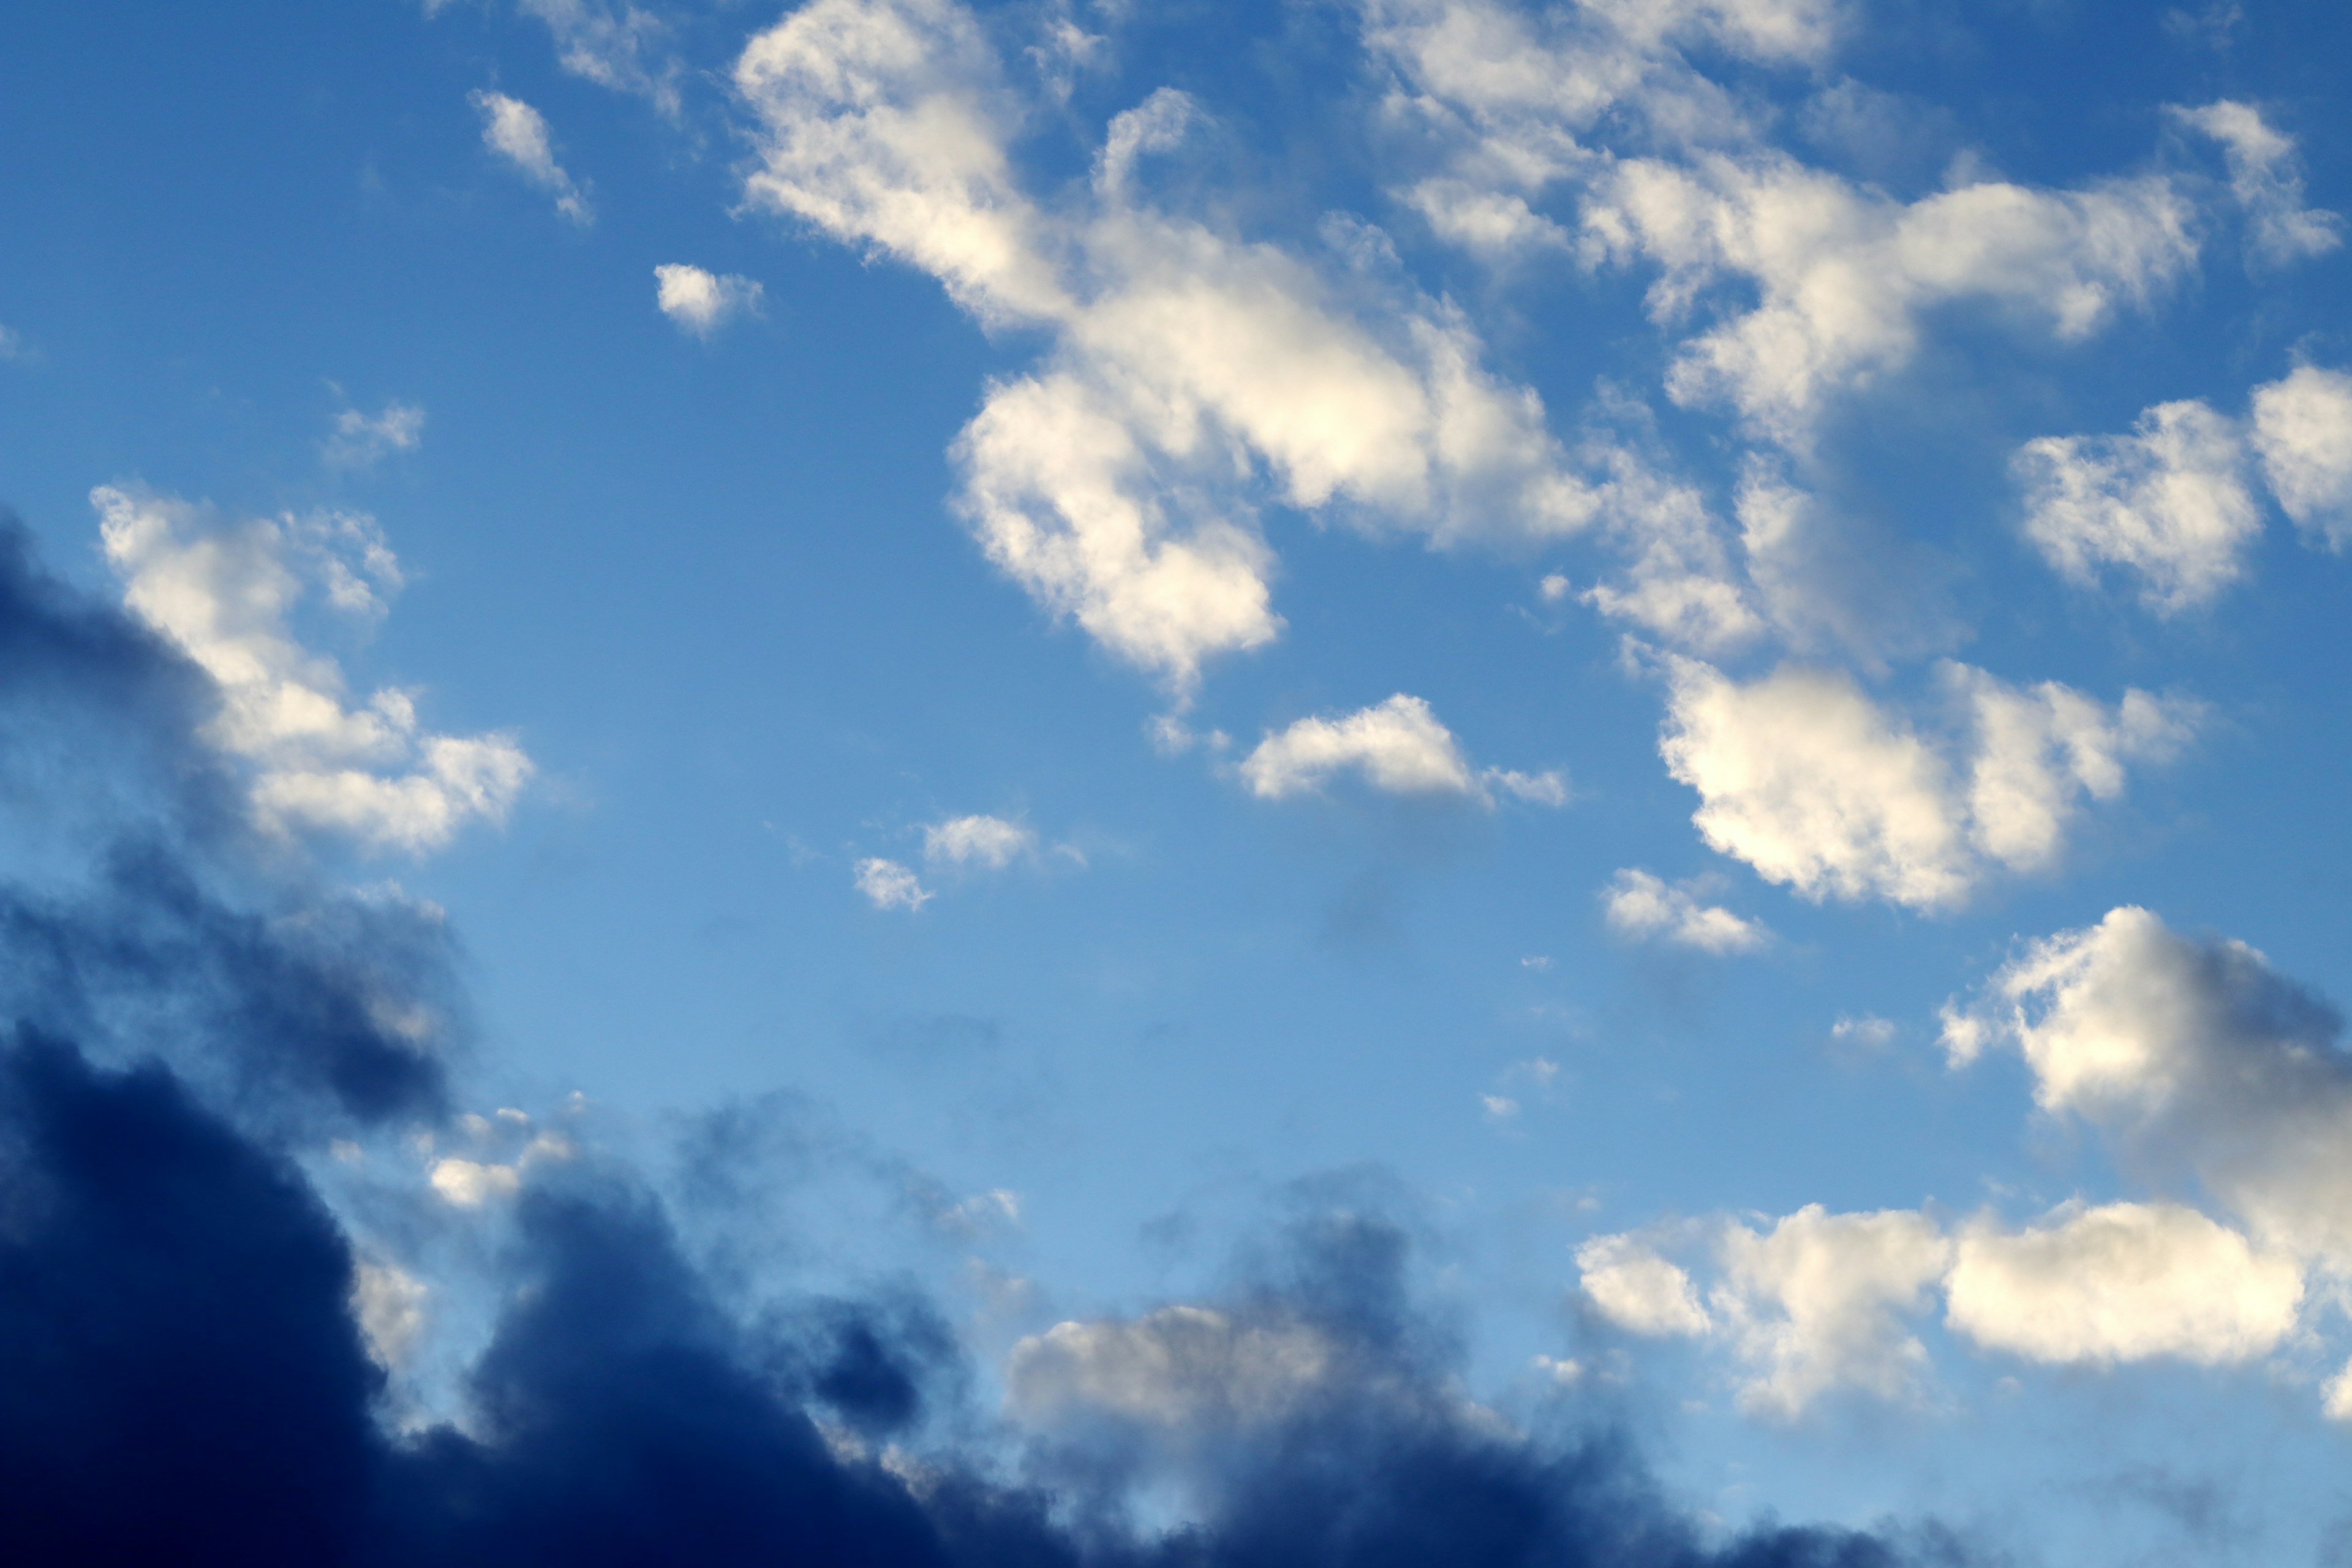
701 302
988 842
360 441
1640 905
1637 1289
2123 1282
517 132
1179 1371
1398 747
2267 178
887 885
2168 504
223 593
1817 1304
1805 778
2303 434
470 1184
2191 1052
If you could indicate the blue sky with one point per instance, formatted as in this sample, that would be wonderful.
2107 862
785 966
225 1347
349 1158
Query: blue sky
1693 648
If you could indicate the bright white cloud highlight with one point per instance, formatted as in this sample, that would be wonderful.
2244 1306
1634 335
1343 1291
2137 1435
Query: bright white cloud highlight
1805 778
1398 747
361 442
223 593
390 1307
2124 1282
988 842
701 302
2166 504
517 132
1640 905
1192 377
887 885
1637 1289
2303 434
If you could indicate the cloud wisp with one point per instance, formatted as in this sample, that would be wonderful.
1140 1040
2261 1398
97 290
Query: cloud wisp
518 134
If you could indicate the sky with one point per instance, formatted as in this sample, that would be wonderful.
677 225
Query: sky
1086 782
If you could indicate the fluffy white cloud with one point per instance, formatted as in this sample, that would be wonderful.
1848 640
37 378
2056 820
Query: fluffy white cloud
2122 1282
1191 375
1817 1304
517 132
389 1305
1642 905
361 442
985 841
2167 503
2267 178
887 885
1397 746
1804 777
701 302
2191 1054
2303 432
1637 1288
223 593
1180 1370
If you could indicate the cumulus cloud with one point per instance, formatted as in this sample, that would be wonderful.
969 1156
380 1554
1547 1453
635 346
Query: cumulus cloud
1190 378
517 132
1644 906
1805 778
2267 178
2189 1053
887 885
360 441
223 593
2303 434
2168 504
1398 747
2122 1282
701 302
988 842
1637 1288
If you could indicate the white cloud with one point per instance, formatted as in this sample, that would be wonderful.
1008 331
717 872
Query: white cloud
612 45
389 1305
1179 1371
2190 1053
2123 1282
516 131
2303 432
2267 178
887 885
1640 905
361 442
1805 778
985 841
701 302
1397 746
1637 1288
12 345
2167 503
223 593
1817 1303
1191 376
470 1184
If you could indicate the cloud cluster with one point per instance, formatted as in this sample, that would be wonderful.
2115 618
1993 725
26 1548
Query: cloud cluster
1806 778
223 593
2172 504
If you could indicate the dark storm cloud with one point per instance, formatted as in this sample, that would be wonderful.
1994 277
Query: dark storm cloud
182 1379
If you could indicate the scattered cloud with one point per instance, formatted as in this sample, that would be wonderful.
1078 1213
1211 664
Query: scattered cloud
1805 778
989 843
2267 178
359 441
614 45
222 593
516 131
2303 434
1640 905
1398 747
887 885
701 302
1637 1289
